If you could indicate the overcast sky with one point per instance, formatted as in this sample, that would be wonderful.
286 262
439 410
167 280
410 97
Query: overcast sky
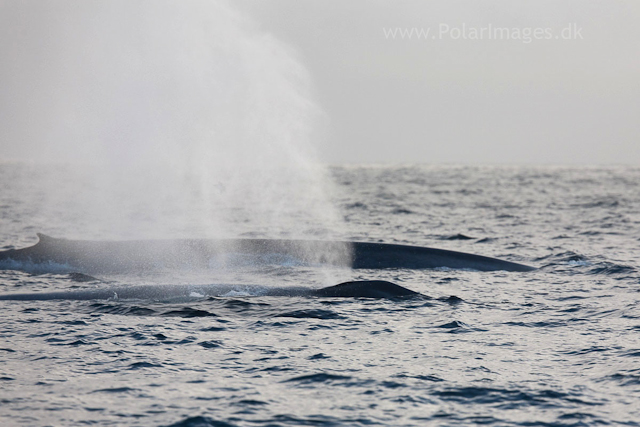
458 97
500 81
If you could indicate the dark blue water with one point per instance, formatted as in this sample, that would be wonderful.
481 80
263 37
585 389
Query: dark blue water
559 346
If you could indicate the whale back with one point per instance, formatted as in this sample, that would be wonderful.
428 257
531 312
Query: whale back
366 289
357 289
105 256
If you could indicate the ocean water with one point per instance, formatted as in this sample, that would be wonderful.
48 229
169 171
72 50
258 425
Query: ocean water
559 346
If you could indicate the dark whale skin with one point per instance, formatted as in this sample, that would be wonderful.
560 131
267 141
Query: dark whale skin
366 289
88 256
359 289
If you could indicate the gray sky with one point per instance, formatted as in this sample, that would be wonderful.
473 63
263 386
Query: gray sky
450 99
542 81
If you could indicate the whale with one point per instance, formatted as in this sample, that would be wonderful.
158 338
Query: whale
378 289
90 256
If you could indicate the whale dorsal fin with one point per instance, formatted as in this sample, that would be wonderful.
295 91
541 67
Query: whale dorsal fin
367 289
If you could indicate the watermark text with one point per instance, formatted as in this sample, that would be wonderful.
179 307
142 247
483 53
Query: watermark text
489 32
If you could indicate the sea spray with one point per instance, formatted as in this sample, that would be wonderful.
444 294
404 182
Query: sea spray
182 118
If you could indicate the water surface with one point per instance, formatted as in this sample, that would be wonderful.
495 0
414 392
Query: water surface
557 346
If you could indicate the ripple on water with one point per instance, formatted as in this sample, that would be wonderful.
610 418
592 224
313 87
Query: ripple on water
311 314
188 312
124 309
513 398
